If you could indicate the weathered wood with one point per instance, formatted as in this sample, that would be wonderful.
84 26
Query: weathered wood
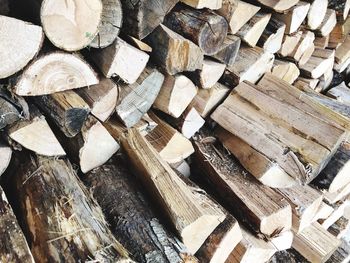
304 48
278 5
321 42
305 83
342 56
10 110
271 38
340 227
328 23
317 12
229 50
342 7
318 64
340 92
285 70
199 4
188 210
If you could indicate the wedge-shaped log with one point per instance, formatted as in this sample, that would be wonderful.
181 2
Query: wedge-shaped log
318 64
342 56
285 70
304 48
228 52
272 36
328 23
5 157
316 14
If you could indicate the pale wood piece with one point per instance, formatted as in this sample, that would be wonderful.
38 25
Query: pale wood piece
340 227
199 4
190 122
339 34
208 99
290 43
272 37
324 211
253 29
237 13
175 95
278 5
342 56
183 168
318 64
111 22
316 14
171 145
326 79
294 17
285 70
66 109
101 98
10 110
315 243
4 7
121 59
13 245
340 92
20 42
174 52
54 72
220 244
304 49
136 99
193 215
262 209
209 75
339 195
229 50
328 23
71 26
338 212
5 157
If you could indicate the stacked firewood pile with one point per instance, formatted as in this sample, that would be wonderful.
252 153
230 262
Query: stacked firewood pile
174 131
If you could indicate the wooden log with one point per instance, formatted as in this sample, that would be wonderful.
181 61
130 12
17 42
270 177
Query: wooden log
342 254
339 33
315 243
10 110
283 241
54 72
338 211
70 226
4 7
203 27
316 14
199 4
187 210
121 59
111 22
132 217
171 99
339 195
257 206
13 245
321 42
174 52
190 122
136 99
306 83
318 64
304 49
101 98
71 27
229 50
237 13
272 36
328 23
20 42
66 109
183 168
253 29
294 17
340 227
285 70
342 56
341 7
142 17
326 79
5 157
289 43
324 211
278 5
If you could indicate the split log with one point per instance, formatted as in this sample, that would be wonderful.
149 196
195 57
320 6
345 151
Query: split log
342 7
131 216
71 26
324 211
120 59
237 13
257 206
342 254
199 4
66 109
13 245
189 123
285 70
304 49
229 50
328 23
340 93
174 52
340 227
175 95
5 157
70 226
278 5
54 72
187 209
142 17
317 12
136 99
253 29
326 79
321 42
318 64
138 43
20 42
205 28
271 38
315 243
283 241
339 33
294 17
290 43
111 22
342 56
10 110
101 98
4 7
338 211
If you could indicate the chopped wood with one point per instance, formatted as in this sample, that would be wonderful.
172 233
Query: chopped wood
328 23
278 5
183 168
317 12
5 157
228 51
272 37
340 227
324 211
318 64
54 72
321 42
339 33
285 70
71 27
290 43
10 110
304 49
190 122
333 198
138 43
326 79
283 241
342 7
199 4
342 56
338 212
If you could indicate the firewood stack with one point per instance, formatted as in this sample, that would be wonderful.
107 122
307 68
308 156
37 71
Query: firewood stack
174 131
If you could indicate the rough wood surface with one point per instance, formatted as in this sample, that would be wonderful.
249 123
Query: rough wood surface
272 36
228 52
318 64
342 56
328 23
285 70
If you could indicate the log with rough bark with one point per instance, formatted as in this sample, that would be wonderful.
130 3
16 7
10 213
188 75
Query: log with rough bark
317 12
111 22
328 23
142 17
321 42
318 64
229 50
71 26
272 37
5 157
10 109
174 52
285 70
66 109
171 99
192 214
342 56
54 72
258 207
13 245
120 60
199 4
70 226
132 217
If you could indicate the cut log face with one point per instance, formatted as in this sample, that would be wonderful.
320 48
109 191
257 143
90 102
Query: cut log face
317 12
13 245
285 70
283 241
304 49
199 4
209 75
5 157
111 22
191 122
55 72
205 28
278 5
20 42
318 64
71 26
229 50
324 211
328 23
272 37
290 43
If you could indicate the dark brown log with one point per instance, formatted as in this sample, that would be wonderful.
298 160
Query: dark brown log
205 28
228 51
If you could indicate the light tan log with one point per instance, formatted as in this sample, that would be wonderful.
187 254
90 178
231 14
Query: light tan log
290 43
5 157
342 56
304 49
285 70
199 4
272 37
333 198
338 212
20 42
121 60
326 79
342 254
339 33
174 52
283 241
54 72
278 5
317 12
318 64
101 98
328 23
175 95
192 214
227 54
